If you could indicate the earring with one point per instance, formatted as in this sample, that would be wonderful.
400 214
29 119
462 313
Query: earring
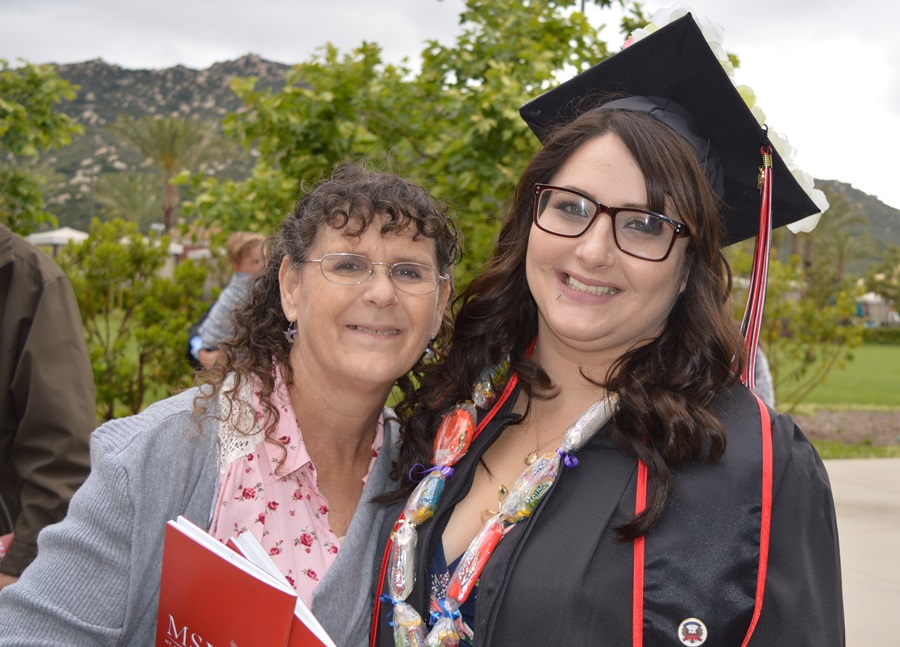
290 333
429 353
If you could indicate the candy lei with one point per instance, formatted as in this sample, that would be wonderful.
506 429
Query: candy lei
453 439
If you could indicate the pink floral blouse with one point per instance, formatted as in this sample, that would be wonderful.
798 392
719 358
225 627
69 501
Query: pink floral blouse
285 511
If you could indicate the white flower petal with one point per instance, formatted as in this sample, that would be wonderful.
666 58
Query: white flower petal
783 146
747 94
759 114
806 225
669 14
820 199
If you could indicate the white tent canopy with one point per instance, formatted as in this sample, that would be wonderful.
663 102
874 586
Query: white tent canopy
56 237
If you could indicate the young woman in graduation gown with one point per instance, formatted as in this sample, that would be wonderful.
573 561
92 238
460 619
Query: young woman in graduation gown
618 484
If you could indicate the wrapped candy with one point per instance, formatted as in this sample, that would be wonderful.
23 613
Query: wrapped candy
590 422
455 434
483 390
401 563
409 629
474 560
424 499
442 634
529 488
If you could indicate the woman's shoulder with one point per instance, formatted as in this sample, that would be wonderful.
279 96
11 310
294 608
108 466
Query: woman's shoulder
167 425
746 419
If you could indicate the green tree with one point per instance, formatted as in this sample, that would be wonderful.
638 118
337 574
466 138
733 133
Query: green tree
809 326
29 125
835 242
808 332
173 144
135 320
884 277
452 125
130 196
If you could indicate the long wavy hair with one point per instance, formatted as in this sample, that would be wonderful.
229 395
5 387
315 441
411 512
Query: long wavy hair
665 386
349 200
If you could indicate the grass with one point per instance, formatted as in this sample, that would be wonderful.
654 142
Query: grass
871 380
836 449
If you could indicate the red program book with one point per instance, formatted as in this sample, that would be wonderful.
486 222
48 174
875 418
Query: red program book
213 596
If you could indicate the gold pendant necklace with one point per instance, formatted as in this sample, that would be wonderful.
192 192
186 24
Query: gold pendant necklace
532 456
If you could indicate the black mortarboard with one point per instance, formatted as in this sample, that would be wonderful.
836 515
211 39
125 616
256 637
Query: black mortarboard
676 64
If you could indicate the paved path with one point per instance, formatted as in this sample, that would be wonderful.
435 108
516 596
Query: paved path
867 499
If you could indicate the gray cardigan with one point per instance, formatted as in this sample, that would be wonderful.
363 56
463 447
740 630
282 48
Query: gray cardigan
96 578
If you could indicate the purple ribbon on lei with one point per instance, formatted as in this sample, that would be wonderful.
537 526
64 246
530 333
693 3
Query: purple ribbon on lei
569 460
418 471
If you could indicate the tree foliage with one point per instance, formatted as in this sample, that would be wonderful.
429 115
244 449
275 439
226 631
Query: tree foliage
809 326
173 144
29 125
883 278
130 196
135 320
452 124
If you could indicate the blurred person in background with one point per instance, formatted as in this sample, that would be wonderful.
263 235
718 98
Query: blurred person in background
244 250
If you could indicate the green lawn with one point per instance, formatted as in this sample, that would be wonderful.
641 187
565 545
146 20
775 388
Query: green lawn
870 380
836 449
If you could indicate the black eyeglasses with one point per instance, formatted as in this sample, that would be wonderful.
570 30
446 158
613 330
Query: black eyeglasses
353 269
637 232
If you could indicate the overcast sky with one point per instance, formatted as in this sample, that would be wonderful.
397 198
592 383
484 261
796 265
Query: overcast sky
826 72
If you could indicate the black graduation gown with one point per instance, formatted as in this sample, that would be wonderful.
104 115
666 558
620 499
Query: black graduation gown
563 578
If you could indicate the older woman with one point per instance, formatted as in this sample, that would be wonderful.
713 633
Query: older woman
354 290
604 478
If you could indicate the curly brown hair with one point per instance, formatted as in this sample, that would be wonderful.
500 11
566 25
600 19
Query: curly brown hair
349 200
664 387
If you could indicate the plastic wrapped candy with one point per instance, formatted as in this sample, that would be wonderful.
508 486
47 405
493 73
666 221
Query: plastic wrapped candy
474 560
597 415
442 634
401 563
455 434
529 488
424 499
409 629
483 392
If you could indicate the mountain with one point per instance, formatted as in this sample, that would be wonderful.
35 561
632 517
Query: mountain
107 91
883 221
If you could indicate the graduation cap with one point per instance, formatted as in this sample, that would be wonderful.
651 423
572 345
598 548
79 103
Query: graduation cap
684 86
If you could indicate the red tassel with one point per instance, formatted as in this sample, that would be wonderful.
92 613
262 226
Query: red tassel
751 325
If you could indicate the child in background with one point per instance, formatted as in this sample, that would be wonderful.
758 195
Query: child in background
244 250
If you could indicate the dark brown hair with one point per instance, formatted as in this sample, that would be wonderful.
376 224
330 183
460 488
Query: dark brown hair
349 200
664 387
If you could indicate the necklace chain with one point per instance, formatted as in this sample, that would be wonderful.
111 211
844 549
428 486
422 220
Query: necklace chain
531 456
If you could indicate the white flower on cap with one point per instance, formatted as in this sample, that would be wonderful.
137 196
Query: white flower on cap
714 34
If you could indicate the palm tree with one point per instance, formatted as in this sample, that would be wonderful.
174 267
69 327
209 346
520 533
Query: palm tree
173 144
130 196
838 238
